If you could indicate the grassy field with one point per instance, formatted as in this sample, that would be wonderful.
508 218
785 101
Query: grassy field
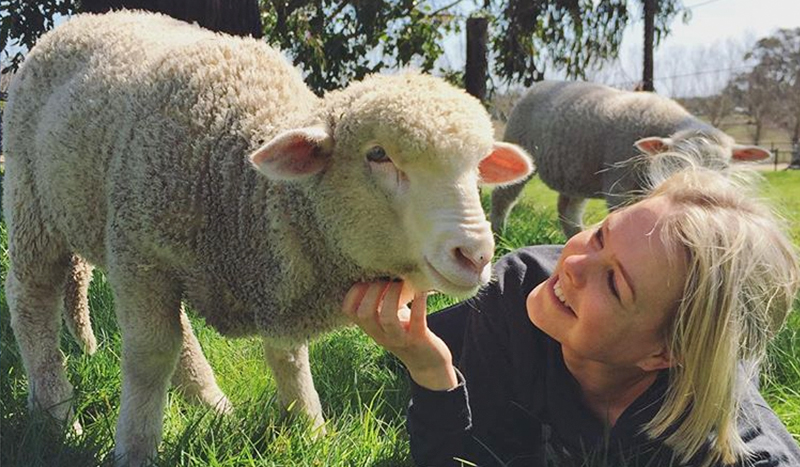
364 391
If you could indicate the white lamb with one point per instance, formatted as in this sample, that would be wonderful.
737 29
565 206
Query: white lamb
131 145
580 135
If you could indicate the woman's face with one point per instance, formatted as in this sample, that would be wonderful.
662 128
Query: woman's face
613 290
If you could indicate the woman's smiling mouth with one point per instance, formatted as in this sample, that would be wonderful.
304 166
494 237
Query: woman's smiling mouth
559 295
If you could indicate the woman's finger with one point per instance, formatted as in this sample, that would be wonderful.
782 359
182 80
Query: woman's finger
371 300
367 311
418 322
404 315
407 293
388 317
353 298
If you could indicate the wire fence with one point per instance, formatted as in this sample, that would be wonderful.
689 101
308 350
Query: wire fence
783 154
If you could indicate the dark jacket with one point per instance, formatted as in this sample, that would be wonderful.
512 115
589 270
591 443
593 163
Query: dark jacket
518 405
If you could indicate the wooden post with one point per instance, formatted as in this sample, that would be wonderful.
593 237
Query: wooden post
238 17
476 72
649 44
777 153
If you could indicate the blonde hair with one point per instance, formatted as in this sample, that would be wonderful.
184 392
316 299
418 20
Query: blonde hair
741 281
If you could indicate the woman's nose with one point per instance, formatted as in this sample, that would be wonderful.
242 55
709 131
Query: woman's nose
575 268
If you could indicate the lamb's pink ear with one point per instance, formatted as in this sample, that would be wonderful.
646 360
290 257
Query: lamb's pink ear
505 165
653 145
744 153
294 154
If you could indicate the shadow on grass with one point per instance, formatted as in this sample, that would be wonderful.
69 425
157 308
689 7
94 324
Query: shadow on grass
35 439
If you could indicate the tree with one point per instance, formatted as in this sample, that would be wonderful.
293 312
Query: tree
238 17
570 35
27 20
335 41
24 21
778 59
754 92
649 9
697 75
657 16
771 90
711 70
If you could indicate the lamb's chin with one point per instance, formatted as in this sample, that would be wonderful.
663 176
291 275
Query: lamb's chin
421 283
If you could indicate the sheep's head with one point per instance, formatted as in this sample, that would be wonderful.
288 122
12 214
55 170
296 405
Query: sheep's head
395 171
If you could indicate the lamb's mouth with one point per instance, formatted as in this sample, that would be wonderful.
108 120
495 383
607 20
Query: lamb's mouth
452 287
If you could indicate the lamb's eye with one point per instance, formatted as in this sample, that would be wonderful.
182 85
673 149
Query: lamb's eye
378 155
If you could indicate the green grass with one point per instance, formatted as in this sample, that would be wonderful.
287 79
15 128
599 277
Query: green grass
363 389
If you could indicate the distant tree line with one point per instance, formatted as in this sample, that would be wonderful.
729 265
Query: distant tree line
768 91
335 41
771 90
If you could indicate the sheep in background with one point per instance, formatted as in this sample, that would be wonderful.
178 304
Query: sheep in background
580 135
134 143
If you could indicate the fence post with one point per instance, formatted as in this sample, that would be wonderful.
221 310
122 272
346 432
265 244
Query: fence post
777 153
477 66
794 158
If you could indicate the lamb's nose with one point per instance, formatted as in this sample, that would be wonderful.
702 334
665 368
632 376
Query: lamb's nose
473 259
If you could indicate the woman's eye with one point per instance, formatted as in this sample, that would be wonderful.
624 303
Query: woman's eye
598 235
612 285
378 155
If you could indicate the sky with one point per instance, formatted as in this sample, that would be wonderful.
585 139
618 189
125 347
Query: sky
687 61
713 20
713 25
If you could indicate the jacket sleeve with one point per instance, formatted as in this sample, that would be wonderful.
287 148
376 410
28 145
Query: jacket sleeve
483 334
439 424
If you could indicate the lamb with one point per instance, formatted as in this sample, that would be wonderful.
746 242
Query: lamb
196 166
581 134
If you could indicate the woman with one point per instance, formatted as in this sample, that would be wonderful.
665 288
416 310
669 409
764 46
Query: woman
636 344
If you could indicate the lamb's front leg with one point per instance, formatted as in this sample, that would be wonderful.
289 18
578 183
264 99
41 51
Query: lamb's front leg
148 308
292 373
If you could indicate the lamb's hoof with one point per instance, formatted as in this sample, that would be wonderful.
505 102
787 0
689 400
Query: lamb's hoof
223 406
131 460
316 424
211 397
76 429
313 421
318 429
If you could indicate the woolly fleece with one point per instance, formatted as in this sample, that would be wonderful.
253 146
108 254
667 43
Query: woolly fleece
578 134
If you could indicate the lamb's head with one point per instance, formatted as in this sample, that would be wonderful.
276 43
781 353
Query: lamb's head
394 170
714 147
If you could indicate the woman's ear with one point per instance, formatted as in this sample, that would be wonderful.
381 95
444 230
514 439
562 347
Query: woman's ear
661 360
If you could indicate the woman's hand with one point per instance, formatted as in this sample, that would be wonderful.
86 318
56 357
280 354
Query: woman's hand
379 309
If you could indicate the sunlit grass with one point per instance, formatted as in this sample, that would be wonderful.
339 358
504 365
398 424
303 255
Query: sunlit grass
363 389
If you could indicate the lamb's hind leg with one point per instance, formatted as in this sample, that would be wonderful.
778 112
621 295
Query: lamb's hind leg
34 298
193 376
148 309
34 285
570 213
292 372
